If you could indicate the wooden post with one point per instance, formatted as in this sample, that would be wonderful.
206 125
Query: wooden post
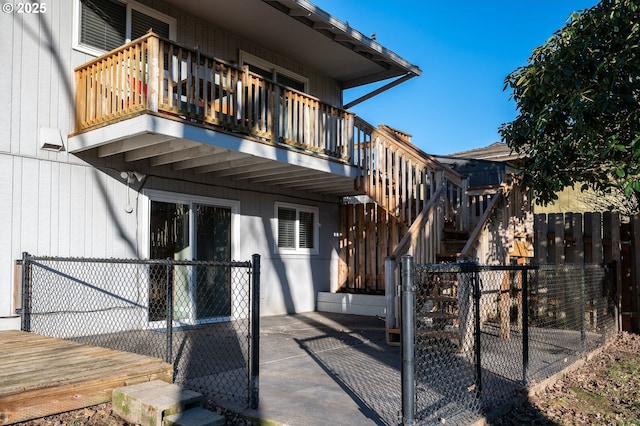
382 250
275 106
593 255
370 272
557 297
17 286
343 268
541 241
440 209
611 243
391 319
153 85
556 227
360 247
465 223
81 92
351 250
635 278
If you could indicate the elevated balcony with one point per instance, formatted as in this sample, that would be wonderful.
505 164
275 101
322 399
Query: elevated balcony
158 105
156 101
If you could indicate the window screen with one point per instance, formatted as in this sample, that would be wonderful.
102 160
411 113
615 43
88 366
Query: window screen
103 24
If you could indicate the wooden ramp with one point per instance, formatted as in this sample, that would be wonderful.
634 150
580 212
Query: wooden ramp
40 376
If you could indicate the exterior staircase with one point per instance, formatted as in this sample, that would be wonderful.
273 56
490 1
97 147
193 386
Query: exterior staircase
452 244
437 308
437 301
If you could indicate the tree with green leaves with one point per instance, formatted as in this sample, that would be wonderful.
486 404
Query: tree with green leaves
578 104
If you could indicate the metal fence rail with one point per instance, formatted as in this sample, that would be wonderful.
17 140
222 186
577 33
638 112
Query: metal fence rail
483 334
202 317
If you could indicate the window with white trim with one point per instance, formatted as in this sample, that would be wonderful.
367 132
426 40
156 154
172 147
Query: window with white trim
103 25
297 228
274 72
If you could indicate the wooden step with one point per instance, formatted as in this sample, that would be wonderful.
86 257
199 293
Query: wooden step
451 246
437 315
454 234
447 257
437 298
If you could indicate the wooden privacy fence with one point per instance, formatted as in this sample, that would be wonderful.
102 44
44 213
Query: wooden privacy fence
594 238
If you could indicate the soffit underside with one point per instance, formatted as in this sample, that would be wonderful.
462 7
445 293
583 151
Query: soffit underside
299 30
210 155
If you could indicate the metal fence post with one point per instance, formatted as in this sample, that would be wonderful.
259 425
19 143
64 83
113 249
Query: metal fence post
408 342
477 331
255 334
525 326
25 309
170 313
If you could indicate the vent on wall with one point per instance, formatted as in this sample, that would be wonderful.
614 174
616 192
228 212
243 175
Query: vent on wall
50 139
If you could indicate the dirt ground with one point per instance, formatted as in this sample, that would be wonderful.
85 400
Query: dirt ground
605 390
100 415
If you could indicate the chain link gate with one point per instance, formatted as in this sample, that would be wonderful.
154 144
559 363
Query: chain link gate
483 334
200 316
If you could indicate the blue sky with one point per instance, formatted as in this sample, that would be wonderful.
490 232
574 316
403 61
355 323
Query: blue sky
465 49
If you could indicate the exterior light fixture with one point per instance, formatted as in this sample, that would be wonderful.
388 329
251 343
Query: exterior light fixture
130 177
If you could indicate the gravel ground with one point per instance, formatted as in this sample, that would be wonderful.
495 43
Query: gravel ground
605 390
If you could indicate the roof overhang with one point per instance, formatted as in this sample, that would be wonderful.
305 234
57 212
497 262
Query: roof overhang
303 32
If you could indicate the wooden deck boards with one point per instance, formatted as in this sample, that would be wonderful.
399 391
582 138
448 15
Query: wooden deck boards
40 376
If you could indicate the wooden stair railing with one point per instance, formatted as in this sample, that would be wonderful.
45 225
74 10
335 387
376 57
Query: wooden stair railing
421 241
480 228
397 175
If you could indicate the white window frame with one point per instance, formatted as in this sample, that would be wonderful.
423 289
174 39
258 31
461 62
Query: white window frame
149 195
249 59
316 228
90 50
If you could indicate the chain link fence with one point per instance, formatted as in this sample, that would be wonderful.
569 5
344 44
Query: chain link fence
484 334
202 317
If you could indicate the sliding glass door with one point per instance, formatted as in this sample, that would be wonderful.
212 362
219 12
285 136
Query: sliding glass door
213 242
196 231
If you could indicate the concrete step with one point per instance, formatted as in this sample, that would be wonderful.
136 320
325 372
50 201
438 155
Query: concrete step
148 403
195 417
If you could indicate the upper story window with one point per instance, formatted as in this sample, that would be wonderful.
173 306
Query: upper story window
274 72
297 228
103 25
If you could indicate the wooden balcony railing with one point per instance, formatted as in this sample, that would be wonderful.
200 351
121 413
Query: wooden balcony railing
157 75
